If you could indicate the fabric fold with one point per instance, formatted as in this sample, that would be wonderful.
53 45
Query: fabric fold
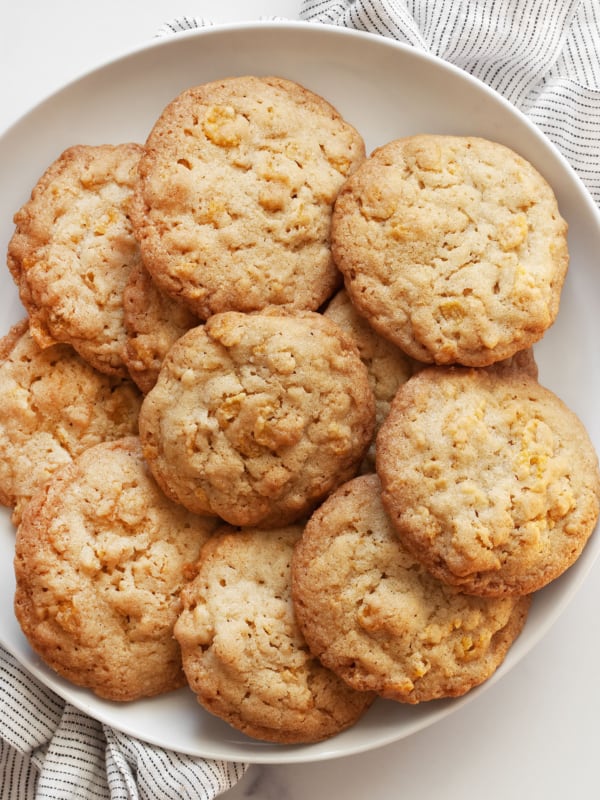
51 750
543 56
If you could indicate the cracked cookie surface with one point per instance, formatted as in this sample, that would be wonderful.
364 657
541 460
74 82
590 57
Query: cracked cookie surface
256 417
100 558
452 247
388 367
236 191
153 323
489 478
243 653
72 250
53 405
373 614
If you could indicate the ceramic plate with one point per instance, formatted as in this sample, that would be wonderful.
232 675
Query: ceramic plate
386 90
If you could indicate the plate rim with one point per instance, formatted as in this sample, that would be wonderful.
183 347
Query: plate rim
302 753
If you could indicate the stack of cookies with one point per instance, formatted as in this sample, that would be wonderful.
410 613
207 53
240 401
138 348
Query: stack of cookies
272 427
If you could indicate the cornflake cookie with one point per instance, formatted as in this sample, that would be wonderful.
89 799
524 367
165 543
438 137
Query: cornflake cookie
237 187
256 417
100 558
53 405
153 323
73 248
522 361
452 247
243 653
388 367
489 478
376 617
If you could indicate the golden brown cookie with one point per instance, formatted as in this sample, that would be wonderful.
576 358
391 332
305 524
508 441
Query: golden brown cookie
101 556
376 617
488 477
243 653
72 250
53 405
153 322
238 183
388 367
256 417
522 361
452 247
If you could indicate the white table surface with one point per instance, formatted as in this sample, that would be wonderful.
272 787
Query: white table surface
534 734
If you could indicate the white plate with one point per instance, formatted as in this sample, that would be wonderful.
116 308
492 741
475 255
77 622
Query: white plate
386 90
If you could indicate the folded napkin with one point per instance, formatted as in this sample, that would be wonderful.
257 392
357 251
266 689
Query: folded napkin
50 750
541 55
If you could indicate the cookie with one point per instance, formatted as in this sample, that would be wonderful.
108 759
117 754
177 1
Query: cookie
100 558
522 361
388 367
376 617
256 417
243 653
53 405
72 249
488 477
153 322
237 186
452 247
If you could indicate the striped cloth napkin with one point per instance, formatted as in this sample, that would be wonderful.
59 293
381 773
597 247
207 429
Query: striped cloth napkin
541 55
50 750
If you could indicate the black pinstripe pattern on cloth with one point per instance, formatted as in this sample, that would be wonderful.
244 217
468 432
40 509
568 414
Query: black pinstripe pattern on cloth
49 750
541 55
